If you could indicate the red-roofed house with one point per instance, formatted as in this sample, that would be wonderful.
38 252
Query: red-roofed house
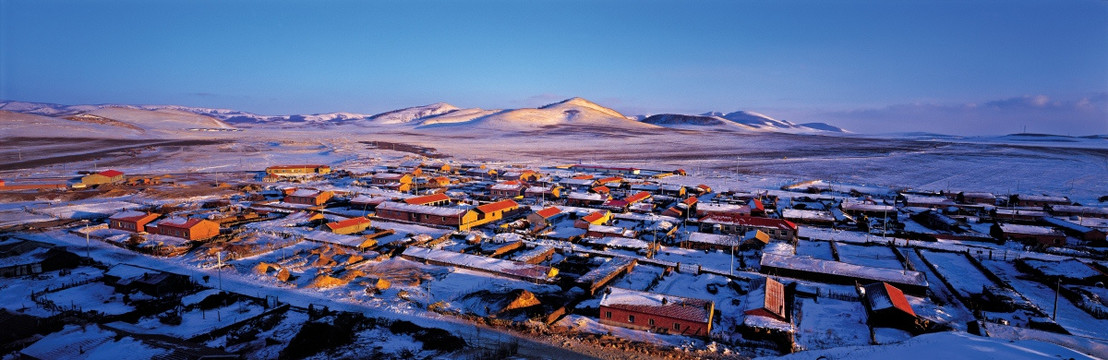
889 307
191 229
542 218
133 221
769 302
494 211
103 177
595 218
661 313
348 226
439 199
732 224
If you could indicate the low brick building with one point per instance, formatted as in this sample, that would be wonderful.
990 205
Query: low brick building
661 313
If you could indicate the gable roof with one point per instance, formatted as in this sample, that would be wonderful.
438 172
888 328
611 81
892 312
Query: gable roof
884 296
134 216
594 216
497 206
671 306
178 222
548 212
640 196
347 223
427 199
724 218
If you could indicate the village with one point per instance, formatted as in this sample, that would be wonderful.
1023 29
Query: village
315 260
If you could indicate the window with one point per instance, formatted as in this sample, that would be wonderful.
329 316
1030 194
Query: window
651 321
631 319
608 314
677 326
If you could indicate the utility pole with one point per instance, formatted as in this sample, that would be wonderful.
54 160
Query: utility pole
86 239
1057 289
219 269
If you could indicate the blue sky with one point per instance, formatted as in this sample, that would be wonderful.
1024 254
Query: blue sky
970 67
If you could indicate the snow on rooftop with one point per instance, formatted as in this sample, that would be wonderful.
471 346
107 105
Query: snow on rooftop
602 271
1027 229
422 209
819 215
660 304
617 242
513 268
805 263
714 239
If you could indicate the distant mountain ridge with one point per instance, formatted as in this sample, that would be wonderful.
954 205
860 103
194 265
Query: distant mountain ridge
443 116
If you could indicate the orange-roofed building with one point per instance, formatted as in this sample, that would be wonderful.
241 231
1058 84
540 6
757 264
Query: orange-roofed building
637 197
429 200
103 177
134 221
595 218
889 307
190 229
308 197
349 226
769 302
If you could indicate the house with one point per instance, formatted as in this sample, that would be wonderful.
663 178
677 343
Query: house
768 301
507 189
388 178
783 230
551 192
439 181
835 272
605 169
429 200
586 199
888 307
933 202
436 166
367 202
599 217
127 278
190 229
579 182
983 198
297 170
511 269
133 221
1028 234
494 211
348 226
308 197
455 217
1081 211
672 190
27 257
868 208
103 177
1020 215
1037 200
543 218
1095 237
754 239
813 217
705 241
523 175
660 313
704 209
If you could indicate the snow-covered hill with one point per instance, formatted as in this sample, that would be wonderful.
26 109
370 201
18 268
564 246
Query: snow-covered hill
576 112
409 115
737 121
573 112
